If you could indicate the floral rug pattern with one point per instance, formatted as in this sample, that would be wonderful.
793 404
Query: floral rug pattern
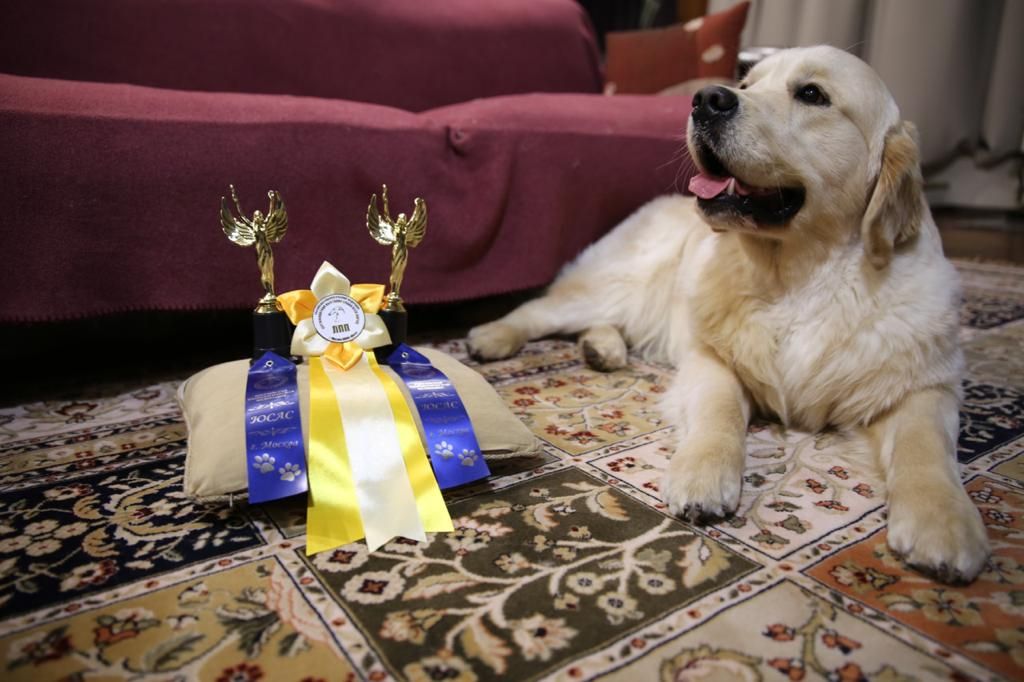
563 565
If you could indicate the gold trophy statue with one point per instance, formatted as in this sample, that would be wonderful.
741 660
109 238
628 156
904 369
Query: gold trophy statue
271 328
401 234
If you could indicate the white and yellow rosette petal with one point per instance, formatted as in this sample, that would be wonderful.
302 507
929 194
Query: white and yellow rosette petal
328 281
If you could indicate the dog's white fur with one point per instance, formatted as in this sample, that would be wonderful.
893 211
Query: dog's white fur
845 316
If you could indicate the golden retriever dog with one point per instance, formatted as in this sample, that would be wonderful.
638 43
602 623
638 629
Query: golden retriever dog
806 281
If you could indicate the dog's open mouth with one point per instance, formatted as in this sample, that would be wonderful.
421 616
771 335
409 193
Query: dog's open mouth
720 192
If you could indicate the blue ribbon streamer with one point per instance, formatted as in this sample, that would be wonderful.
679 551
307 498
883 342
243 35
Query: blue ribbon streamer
451 444
275 456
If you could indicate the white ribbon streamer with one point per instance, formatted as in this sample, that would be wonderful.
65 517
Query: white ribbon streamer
386 500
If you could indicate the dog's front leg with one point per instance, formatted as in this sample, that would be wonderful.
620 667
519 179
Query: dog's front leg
711 409
933 524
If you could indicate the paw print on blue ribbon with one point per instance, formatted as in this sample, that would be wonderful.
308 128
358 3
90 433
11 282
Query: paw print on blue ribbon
289 472
467 458
264 462
444 449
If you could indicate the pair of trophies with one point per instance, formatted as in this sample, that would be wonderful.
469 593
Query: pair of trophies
271 329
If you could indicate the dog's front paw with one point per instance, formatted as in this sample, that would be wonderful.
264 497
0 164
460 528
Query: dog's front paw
943 538
494 341
603 348
702 482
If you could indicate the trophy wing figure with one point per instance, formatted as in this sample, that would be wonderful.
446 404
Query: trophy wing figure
417 226
381 228
261 231
239 230
276 222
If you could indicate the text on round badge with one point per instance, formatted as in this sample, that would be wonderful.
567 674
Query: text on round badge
338 318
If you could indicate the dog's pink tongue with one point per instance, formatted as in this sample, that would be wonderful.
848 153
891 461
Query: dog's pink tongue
708 186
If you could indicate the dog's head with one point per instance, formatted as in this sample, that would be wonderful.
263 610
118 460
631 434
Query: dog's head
810 144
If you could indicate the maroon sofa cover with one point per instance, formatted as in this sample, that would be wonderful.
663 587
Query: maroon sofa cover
410 54
111 191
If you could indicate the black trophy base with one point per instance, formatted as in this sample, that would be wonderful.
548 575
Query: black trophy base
397 322
271 332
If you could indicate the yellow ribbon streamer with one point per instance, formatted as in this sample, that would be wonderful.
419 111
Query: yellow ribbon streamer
433 511
332 510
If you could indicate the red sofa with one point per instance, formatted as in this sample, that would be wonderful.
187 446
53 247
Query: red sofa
122 123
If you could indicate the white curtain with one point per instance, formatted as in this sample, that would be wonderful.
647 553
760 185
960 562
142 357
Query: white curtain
955 67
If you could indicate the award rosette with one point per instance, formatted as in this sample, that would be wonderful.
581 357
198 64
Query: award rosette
454 452
368 472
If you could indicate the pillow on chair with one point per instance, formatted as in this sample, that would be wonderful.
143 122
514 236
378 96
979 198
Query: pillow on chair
649 61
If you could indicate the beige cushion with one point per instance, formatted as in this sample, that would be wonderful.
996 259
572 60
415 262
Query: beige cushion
213 402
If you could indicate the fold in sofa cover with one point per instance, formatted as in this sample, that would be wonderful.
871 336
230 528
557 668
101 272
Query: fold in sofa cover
410 54
111 192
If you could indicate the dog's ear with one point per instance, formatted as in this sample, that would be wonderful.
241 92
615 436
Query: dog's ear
894 210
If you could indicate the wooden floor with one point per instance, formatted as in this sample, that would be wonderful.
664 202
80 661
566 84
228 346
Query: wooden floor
982 235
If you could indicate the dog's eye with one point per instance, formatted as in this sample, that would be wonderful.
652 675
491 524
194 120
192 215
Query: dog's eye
743 85
812 94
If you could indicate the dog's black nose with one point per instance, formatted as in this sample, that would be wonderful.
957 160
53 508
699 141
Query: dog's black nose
714 103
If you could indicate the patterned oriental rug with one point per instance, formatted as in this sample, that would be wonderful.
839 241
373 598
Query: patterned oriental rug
564 566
